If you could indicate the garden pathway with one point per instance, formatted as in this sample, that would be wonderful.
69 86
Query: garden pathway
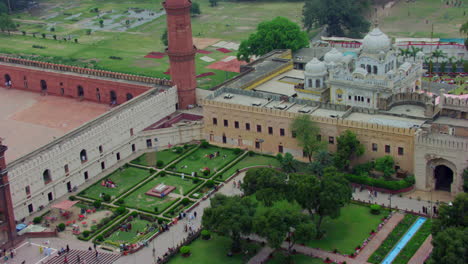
423 252
379 237
261 256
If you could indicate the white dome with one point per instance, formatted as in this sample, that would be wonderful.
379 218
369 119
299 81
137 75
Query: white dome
376 41
333 55
315 67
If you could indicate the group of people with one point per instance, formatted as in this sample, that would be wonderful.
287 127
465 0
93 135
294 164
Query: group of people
8 84
214 155
6 255
108 183
237 184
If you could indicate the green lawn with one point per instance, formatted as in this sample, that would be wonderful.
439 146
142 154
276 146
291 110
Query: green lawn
197 160
392 239
280 258
166 156
125 180
123 236
138 198
214 252
349 230
249 161
413 245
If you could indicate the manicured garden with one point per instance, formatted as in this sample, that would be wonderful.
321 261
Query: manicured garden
200 159
280 258
214 251
249 161
202 190
414 244
344 233
123 178
392 239
161 158
138 199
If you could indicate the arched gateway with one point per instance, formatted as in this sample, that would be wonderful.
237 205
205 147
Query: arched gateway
441 175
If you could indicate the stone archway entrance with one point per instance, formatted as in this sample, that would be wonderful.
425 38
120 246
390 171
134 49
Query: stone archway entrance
443 177
43 86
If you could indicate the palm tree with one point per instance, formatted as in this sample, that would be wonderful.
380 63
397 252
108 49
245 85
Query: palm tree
438 54
414 51
404 52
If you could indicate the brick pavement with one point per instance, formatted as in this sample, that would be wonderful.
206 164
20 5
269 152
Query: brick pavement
86 256
423 252
261 256
379 237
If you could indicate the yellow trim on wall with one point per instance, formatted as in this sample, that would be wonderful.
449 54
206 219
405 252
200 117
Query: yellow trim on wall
270 76
307 91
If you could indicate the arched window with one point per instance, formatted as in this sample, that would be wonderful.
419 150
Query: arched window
363 66
46 176
43 85
375 69
7 78
310 83
113 96
368 69
129 96
80 91
317 83
83 156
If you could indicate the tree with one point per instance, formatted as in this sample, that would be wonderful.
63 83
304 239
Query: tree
450 246
348 148
385 164
438 54
3 8
342 17
322 160
288 163
213 3
101 23
464 30
267 184
195 9
414 51
279 33
465 180
230 216
452 216
6 24
283 220
307 135
164 40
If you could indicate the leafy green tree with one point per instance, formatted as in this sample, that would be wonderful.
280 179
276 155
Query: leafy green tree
3 8
6 23
413 51
386 165
195 9
283 220
465 180
437 54
213 3
288 163
164 39
454 215
306 135
322 160
450 246
267 184
279 33
230 216
348 148
464 30
342 17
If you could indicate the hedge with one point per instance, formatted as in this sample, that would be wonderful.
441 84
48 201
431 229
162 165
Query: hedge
100 227
413 245
381 183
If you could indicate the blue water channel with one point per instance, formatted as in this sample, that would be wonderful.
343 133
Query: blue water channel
404 240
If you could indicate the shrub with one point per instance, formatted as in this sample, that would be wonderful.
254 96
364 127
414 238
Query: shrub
76 40
160 221
385 164
106 197
61 227
115 57
55 37
375 209
172 167
204 144
24 33
237 151
205 234
120 210
251 153
72 198
38 47
185 201
178 150
100 238
196 180
134 214
86 233
120 202
152 170
156 209
210 183
206 172
97 204
34 35
162 173
52 29
43 35
37 220
160 164
185 251
88 32
279 157
186 146
380 183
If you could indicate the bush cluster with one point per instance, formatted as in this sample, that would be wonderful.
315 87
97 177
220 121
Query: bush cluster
38 47
381 183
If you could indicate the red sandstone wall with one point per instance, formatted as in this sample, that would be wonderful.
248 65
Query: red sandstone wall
20 77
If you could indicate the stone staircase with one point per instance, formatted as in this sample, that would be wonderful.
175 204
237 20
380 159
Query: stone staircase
86 256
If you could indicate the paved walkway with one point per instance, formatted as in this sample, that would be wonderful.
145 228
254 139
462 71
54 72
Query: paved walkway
423 252
85 256
261 256
377 240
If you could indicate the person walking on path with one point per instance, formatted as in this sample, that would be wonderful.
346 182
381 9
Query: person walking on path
65 259
78 259
68 248
195 214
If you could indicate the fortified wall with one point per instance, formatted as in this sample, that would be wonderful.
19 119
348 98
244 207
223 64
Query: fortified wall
76 82
52 170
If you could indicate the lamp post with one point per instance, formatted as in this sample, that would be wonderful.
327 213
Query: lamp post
390 199
156 151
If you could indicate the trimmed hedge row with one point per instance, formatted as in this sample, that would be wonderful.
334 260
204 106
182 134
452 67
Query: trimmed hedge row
381 183
112 220
232 164
176 213
413 245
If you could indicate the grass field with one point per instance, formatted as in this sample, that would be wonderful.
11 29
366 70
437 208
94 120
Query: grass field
413 245
124 236
349 230
197 160
125 180
138 198
280 258
408 19
249 161
214 251
166 156
229 21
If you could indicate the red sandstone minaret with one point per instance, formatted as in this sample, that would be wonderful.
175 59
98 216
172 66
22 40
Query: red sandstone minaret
7 218
181 50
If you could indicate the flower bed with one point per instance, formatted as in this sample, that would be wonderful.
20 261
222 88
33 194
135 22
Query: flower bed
392 239
104 224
